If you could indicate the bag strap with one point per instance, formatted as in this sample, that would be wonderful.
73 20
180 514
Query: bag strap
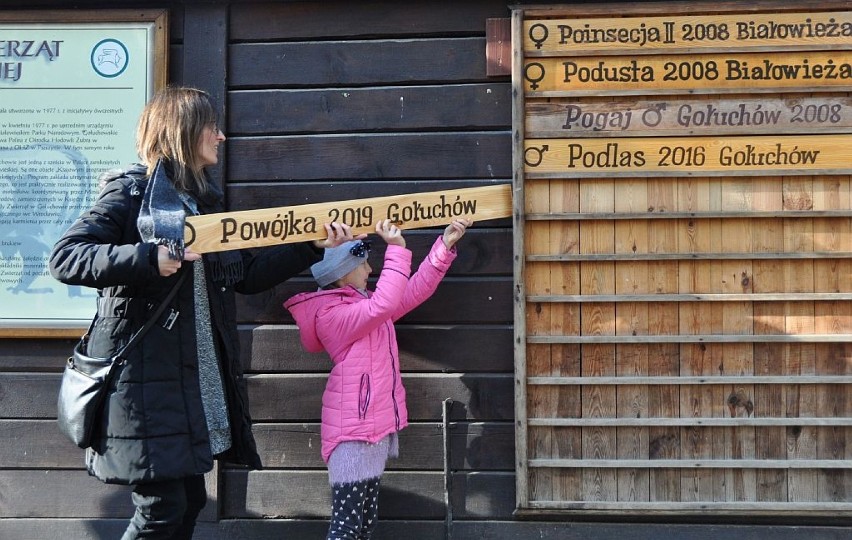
152 319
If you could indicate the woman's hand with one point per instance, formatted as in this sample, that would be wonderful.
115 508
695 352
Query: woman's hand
338 233
169 266
390 233
455 231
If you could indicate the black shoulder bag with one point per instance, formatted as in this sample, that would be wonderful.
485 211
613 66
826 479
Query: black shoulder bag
86 380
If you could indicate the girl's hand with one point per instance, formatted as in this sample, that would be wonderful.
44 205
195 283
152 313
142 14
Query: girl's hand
455 231
338 233
390 233
169 266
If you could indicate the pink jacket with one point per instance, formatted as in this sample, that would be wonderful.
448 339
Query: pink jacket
364 399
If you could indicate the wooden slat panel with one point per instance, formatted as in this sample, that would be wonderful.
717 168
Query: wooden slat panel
339 63
337 19
388 529
35 355
32 444
66 494
479 446
298 397
475 396
474 446
404 495
374 157
276 348
445 107
457 300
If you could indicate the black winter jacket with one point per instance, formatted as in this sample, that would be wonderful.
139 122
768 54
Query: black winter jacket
153 427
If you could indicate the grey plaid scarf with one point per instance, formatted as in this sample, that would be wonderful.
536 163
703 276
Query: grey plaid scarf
161 221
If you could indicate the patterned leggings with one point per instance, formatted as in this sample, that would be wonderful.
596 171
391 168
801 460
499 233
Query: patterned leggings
354 510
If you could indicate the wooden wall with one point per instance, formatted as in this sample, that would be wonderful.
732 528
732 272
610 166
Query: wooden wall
327 101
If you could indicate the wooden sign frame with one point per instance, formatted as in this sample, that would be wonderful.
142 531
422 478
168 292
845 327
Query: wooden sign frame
622 278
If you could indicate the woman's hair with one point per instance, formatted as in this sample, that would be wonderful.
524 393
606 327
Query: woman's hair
171 125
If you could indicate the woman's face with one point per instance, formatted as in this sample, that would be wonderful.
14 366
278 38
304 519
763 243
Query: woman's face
208 145
358 277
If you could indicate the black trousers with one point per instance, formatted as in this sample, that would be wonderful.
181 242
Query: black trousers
354 510
167 510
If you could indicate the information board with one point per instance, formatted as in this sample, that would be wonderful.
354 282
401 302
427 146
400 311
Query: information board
72 86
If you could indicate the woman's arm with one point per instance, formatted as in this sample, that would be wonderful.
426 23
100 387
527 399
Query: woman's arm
91 254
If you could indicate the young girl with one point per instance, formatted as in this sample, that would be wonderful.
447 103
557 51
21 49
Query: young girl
363 406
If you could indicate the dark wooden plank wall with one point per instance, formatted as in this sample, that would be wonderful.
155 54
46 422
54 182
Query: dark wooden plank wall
386 98
327 101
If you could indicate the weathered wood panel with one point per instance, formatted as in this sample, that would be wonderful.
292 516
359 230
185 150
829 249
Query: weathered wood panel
473 446
462 348
35 355
374 157
345 63
275 529
298 397
36 444
304 20
403 495
457 300
475 396
409 108
276 348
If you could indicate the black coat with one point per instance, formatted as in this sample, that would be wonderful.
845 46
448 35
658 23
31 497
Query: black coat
154 427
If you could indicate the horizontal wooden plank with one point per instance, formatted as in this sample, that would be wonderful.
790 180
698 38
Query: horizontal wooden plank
223 231
473 446
448 348
696 338
347 63
677 117
709 510
684 34
473 155
753 297
404 495
672 156
690 380
37 444
805 71
476 396
407 108
275 529
298 397
690 422
492 529
60 493
691 256
276 348
35 354
667 8
337 19
663 214
831 464
457 301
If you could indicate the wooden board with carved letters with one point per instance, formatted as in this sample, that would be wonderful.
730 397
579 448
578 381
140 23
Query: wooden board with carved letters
685 239
269 226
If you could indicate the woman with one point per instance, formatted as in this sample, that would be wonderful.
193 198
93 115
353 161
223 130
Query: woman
180 399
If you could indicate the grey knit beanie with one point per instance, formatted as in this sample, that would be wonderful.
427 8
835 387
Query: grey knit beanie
339 261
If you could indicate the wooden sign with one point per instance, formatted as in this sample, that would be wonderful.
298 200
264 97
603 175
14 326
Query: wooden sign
673 156
648 35
677 74
270 226
747 115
